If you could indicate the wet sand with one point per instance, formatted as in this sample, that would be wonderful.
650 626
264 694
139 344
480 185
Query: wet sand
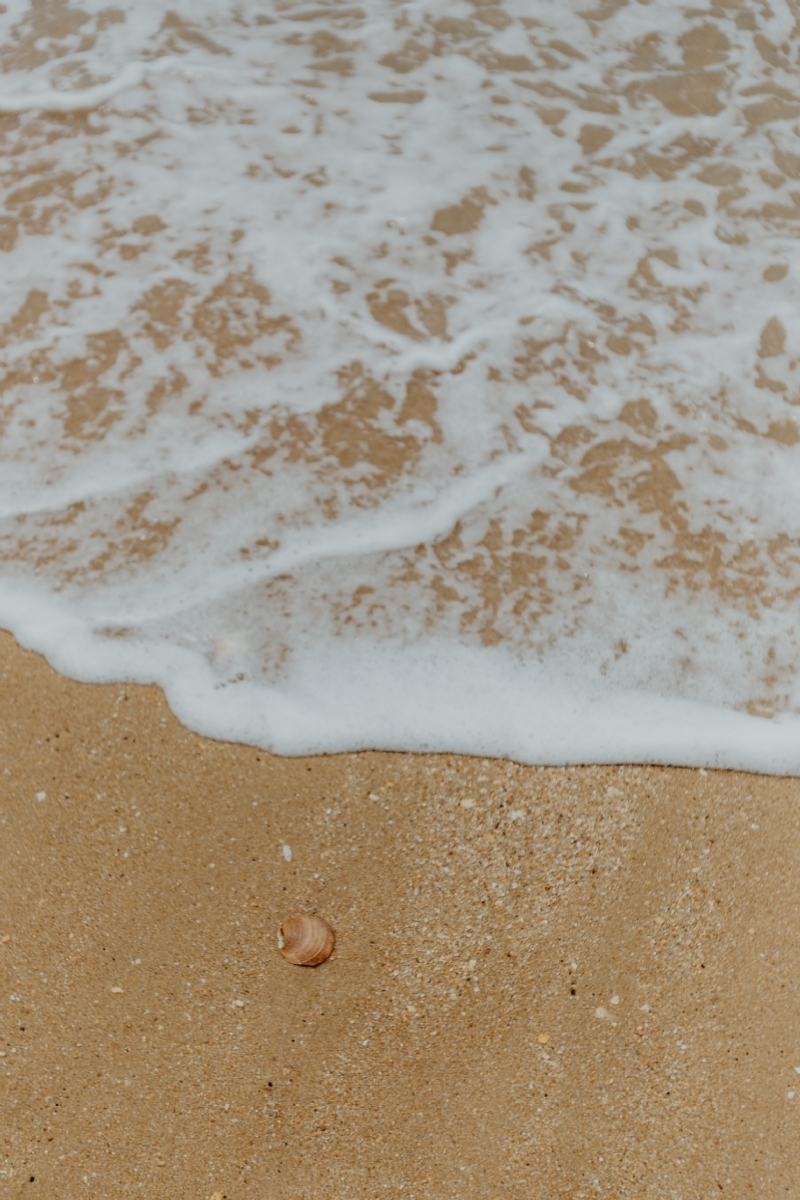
547 982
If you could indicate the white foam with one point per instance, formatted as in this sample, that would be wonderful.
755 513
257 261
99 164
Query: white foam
409 380
81 99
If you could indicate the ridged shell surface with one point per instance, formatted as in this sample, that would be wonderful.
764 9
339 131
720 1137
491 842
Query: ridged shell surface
306 941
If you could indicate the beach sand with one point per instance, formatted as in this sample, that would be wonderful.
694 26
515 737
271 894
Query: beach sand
548 982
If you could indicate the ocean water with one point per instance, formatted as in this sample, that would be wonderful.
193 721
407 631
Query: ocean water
407 375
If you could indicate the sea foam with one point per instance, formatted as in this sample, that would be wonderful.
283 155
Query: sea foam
399 378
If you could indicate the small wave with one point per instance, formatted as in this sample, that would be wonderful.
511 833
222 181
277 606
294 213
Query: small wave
410 380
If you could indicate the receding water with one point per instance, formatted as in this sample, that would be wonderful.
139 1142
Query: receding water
379 377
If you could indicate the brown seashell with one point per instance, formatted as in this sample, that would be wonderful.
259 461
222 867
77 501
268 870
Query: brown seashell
306 941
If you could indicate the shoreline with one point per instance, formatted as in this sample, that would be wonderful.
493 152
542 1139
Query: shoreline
575 981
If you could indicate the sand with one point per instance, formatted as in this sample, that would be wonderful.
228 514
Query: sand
548 982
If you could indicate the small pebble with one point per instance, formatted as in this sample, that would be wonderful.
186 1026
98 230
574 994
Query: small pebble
543 1039
117 991
602 1013
41 796
286 851
468 803
615 999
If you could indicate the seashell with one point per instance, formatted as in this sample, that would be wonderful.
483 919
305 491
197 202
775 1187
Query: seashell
306 941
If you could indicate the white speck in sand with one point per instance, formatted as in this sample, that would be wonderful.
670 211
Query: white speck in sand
41 796
754 826
615 999
117 991
645 1008
237 1003
797 1070
286 851
468 803
602 1013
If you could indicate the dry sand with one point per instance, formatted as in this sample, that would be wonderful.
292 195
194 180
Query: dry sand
547 983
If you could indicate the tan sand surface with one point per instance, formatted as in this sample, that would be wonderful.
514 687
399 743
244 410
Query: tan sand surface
547 983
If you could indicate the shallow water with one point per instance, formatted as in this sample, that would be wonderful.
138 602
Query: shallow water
373 377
